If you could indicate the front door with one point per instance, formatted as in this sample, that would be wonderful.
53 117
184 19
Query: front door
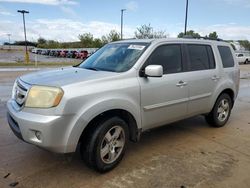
164 99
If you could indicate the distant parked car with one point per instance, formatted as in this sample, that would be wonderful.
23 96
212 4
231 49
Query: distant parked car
38 51
63 53
71 54
48 51
51 53
83 54
34 50
57 53
45 52
242 58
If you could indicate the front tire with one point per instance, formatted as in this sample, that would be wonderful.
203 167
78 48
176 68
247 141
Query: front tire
221 111
106 145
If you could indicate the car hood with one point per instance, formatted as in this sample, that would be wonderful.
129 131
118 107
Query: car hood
64 76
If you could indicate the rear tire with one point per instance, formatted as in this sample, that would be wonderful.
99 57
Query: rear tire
221 111
106 145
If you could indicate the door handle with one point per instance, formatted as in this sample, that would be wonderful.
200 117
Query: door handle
181 84
215 78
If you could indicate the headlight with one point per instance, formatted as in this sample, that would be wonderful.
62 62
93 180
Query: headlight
43 97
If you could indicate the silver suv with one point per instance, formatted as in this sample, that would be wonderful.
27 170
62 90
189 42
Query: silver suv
123 89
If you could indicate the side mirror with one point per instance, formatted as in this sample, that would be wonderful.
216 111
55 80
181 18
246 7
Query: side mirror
154 71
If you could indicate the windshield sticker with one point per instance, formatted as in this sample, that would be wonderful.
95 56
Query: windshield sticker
136 47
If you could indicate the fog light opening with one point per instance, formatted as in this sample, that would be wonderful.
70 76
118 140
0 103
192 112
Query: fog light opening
38 135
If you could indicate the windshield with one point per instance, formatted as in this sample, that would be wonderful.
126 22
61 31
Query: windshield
115 57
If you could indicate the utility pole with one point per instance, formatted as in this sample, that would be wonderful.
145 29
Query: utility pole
186 18
122 10
24 28
9 39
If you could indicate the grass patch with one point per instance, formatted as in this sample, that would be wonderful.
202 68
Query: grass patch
39 64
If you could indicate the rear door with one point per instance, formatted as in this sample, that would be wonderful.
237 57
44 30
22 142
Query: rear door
203 77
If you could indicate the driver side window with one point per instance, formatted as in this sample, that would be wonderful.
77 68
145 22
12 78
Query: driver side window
169 56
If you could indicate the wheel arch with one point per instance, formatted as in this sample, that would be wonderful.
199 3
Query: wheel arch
228 91
123 106
123 114
212 117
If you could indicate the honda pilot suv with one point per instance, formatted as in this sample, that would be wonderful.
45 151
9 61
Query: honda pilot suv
122 90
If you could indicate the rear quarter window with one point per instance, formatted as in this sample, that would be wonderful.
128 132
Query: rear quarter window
226 56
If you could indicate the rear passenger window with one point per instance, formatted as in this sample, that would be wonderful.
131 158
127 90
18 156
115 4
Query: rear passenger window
169 56
201 57
226 56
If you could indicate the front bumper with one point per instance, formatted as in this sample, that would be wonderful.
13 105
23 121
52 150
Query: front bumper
48 132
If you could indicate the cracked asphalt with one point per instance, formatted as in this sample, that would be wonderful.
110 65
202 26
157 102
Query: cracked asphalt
184 154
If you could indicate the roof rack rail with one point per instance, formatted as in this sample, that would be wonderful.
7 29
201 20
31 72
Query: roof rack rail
205 38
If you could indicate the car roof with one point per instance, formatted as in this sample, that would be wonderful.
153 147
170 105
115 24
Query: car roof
192 40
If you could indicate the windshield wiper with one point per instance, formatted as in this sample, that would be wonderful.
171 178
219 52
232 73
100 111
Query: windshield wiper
76 65
91 68
97 69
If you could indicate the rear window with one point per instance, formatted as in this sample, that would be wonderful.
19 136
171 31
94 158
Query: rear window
226 56
200 57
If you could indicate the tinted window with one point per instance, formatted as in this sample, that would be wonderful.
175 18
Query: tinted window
226 56
200 57
169 56
211 57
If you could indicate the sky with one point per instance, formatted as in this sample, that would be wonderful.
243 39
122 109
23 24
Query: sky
64 20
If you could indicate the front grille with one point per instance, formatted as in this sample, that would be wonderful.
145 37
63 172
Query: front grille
20 93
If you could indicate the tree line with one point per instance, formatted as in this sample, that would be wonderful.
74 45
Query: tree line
87 40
